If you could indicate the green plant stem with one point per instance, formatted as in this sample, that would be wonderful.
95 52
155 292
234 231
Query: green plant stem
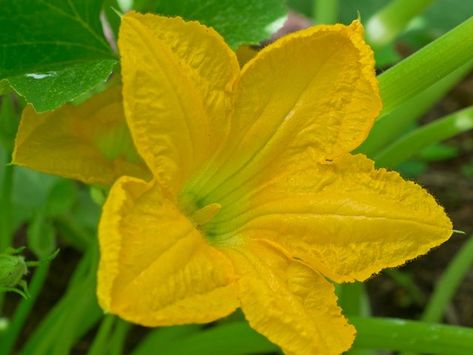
119 337
403 335
9 338
237 338
325 11
405 280
386 24
75 234
5 203
353 299
73 315
392 126
449 282
100 344
163 338
5 209
427 66
82 309
425 136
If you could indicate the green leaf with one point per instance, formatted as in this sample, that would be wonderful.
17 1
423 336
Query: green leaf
41 236
30 193
60 39
438 152
412 169
238 21
305 7
62 85
8 122
37 35
61 199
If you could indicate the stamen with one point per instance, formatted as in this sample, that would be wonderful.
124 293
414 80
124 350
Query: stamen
205 214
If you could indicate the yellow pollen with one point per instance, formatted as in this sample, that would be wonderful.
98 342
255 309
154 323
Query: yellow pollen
205 214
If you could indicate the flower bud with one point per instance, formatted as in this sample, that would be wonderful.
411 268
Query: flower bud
12 270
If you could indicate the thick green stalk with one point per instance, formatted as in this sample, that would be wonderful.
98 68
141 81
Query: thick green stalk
9 338
425 136
427 66
396 123
237 338
404 335
386 24
325 11
449 282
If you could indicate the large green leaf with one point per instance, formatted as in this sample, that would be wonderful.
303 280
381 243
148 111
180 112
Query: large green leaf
305 7
238 21
59 41
63 85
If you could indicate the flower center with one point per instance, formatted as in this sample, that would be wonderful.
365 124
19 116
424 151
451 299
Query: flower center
205 214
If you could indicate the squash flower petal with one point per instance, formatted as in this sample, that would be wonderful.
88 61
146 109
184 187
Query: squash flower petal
255 198
89 142
346 219
314 89
156 269
177 86
287 301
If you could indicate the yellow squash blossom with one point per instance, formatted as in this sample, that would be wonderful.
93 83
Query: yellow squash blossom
254 200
